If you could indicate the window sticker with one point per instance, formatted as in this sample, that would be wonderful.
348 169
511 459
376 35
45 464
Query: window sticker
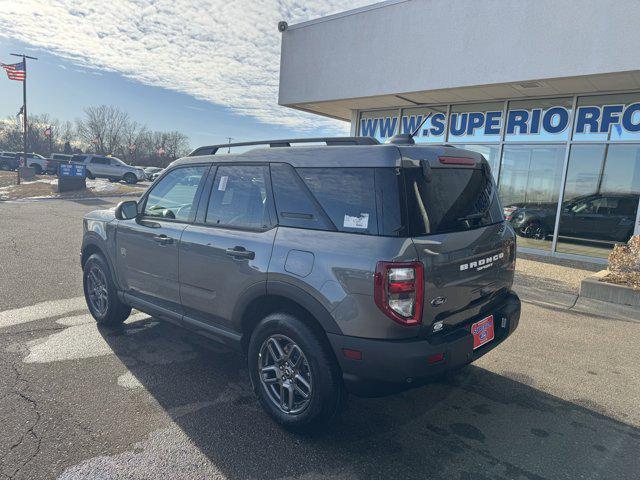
222 186
361 221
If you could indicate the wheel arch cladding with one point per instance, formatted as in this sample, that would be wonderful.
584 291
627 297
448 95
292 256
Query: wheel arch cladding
289 299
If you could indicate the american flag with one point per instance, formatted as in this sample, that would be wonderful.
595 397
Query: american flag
15 71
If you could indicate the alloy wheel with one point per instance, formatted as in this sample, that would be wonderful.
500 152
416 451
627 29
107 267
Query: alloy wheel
97 290
285 374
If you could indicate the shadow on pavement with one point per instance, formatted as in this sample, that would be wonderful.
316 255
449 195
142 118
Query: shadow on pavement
91 201
474 425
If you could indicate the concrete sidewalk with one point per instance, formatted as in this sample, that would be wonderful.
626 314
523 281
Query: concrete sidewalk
555 283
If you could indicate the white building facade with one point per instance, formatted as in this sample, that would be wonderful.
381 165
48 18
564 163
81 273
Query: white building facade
547 91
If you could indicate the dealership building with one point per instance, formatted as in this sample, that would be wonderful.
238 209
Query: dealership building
548 91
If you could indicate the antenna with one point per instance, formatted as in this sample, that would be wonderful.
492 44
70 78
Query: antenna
427 117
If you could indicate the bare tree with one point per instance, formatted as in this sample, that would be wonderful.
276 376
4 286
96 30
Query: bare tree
102 128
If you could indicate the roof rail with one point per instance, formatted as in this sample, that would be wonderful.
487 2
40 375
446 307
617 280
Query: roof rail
286 142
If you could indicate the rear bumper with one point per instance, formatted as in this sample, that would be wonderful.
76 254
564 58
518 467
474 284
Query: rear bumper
390 366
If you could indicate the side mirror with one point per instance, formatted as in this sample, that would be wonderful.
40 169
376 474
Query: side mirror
127 210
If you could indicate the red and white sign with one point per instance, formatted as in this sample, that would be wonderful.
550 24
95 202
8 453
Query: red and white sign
482 331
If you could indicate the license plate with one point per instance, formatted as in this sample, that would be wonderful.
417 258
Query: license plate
482 331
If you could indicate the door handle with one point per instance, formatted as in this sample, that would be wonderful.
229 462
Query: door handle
162 239
240 252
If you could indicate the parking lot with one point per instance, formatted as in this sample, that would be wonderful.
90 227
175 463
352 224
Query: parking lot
558 400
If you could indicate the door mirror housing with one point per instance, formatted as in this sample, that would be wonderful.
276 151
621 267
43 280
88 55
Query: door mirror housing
127 210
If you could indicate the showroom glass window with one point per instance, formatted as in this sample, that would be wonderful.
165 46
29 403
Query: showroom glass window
529 186
600 204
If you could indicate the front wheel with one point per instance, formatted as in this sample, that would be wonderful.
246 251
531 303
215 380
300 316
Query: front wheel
37 169
294 373
101 294
130 178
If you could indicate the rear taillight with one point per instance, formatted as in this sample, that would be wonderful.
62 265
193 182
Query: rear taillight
398 291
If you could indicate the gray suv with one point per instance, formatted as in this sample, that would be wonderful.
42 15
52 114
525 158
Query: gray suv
99 166
351 267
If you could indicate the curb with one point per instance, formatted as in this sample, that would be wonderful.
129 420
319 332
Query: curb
577 303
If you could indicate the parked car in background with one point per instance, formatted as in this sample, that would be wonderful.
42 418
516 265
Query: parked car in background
53 163
8 161
600 217
153 172
35 161
100 166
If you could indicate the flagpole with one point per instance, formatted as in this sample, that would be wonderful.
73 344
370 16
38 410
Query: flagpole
24 105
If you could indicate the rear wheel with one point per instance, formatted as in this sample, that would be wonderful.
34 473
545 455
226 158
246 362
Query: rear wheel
130 178
90 175
101 294
294 373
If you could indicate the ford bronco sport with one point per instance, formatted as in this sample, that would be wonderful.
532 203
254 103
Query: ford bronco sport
351 267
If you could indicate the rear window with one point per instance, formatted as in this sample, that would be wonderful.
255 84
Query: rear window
453 200
347 196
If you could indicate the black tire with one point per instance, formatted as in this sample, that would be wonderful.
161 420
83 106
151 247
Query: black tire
328 394
130 178
90 175
115 312
37 169
534 230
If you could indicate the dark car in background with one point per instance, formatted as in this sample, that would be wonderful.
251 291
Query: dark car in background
8 161
600 217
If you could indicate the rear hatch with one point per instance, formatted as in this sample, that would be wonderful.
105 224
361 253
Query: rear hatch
456 223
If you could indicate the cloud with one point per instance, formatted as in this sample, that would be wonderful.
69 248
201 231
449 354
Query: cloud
223 51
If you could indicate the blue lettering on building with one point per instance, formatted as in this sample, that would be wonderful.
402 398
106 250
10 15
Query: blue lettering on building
492 125
437 124
388 126
631 112
458 127
517 119
554 120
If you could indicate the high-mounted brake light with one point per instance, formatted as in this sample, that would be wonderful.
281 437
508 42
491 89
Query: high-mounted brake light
398 291
457 161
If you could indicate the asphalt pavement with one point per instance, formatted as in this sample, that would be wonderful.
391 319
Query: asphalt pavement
558 400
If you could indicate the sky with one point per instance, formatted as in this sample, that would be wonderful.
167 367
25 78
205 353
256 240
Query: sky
206 68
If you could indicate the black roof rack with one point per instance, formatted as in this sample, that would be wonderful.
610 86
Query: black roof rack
329 141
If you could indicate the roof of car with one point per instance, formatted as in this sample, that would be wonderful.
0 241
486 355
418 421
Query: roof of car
382 155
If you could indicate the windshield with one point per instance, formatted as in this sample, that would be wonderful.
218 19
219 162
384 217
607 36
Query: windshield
453 200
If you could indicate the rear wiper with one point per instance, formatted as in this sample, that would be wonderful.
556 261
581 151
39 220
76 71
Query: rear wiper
472 216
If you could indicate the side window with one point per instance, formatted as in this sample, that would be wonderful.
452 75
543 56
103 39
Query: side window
347 195
173 196
239 197
100 161
295 206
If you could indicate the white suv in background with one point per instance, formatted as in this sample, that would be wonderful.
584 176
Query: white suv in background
99 166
